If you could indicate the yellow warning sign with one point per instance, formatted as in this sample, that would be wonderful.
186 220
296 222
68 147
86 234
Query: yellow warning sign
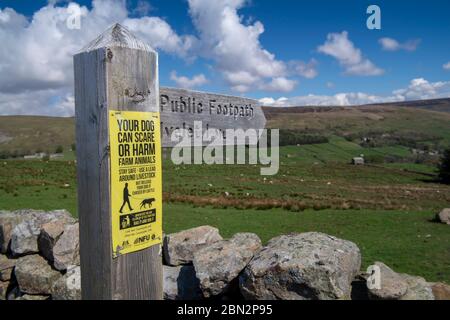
136 191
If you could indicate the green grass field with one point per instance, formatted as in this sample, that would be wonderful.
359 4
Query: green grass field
312 176
30 134
405 240
385 208
386 119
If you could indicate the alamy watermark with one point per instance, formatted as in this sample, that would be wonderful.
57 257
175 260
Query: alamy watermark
374 20
73 21
229 146
374 279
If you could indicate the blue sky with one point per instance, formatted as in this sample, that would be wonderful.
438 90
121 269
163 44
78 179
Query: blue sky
286 57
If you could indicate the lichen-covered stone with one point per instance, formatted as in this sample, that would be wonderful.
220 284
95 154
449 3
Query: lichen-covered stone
3 289
24 237
180 283
6 267
444 216
35 275
302 266
68 287
418 288
179 248
441 291
66 250
218 264
392 285
32 297
8 220
50 233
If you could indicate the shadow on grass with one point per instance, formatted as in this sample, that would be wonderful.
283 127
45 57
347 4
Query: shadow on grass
434 179
435 219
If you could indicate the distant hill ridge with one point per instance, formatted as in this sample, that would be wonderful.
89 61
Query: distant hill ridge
29 134
440 105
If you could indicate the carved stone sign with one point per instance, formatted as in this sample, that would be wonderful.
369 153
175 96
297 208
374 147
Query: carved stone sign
180 108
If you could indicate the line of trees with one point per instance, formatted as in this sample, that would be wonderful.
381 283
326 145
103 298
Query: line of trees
19 153
294 137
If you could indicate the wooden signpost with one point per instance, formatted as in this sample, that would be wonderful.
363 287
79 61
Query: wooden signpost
114 72
180 108
121 122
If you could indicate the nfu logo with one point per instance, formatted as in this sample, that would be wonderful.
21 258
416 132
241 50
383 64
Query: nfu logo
374 279
142 239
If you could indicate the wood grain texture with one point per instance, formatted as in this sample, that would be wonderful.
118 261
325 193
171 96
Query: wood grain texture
115 72
181 107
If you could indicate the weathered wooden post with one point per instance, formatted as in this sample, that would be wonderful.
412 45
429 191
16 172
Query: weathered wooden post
117 100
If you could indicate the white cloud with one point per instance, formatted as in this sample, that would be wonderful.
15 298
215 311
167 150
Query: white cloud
142 8
160 35
235 47
341 48
340 99
280 102
446 66
36 75
187 83
241 88
306 70
240 77
279 84
422 89
36 54
417 89
50 102
389 44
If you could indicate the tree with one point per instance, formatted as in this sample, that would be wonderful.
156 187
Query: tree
444 167
59 149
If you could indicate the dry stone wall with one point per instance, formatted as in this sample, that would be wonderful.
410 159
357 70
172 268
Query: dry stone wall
39 255
39 260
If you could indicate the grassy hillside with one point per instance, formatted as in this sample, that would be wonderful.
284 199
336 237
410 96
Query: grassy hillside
441 105
358 122
386 206
30 134
386 210
405 240
310 177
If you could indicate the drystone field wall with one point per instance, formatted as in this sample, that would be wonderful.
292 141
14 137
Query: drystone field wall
39 260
